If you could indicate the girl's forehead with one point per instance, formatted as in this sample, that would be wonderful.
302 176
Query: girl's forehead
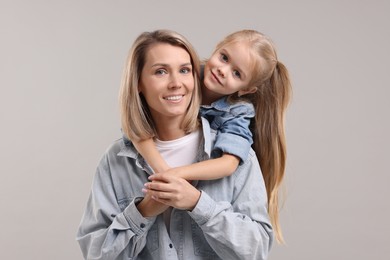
241 51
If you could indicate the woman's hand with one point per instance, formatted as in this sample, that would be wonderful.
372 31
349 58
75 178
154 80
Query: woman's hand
149 207
172 191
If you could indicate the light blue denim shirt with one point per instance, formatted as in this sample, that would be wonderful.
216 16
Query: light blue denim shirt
231 120
230 220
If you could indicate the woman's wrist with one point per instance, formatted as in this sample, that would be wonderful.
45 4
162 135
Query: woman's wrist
148 207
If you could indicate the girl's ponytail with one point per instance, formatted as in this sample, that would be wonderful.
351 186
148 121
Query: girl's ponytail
269 137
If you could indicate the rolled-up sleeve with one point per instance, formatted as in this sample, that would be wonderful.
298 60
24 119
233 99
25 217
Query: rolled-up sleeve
106 231
234 136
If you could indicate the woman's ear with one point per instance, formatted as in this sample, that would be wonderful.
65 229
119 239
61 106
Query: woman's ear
250 90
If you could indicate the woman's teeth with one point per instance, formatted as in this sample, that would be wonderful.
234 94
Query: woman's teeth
173 97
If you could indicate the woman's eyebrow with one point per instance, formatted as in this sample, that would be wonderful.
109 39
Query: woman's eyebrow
168 65
160 65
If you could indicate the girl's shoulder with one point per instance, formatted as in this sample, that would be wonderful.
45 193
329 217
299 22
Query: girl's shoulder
224 106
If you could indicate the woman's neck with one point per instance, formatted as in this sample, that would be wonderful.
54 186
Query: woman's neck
169 128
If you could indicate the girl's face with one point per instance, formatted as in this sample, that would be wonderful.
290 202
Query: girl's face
167 82
229 70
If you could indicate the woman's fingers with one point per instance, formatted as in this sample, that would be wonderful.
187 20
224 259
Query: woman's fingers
158 194
173 191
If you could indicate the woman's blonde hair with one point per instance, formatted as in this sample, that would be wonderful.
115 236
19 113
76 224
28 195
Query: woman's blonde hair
137 123
272 81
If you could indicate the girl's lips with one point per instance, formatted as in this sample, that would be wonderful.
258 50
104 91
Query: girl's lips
215 77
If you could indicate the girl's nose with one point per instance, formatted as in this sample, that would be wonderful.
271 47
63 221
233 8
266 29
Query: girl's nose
221 72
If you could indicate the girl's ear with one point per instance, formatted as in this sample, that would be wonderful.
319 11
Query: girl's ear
250 90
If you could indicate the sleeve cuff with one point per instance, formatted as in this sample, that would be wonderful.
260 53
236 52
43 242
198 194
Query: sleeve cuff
204 209
232 144
137 222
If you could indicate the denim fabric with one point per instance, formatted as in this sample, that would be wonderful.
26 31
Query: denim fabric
230 220
231 120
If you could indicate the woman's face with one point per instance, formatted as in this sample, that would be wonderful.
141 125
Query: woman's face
167 82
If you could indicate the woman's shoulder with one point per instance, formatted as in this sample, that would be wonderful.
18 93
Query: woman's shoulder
116 146
117 154
121 147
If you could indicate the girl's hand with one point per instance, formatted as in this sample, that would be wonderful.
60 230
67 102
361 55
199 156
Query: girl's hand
172 191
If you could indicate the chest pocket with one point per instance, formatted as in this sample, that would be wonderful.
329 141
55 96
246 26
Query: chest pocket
201 247
123 203
152 238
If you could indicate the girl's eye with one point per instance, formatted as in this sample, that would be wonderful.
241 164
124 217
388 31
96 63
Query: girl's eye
224 57
237 74
185 70
160 72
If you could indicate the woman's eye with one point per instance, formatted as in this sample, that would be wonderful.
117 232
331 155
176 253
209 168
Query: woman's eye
160 72
185 70
224 57
237 74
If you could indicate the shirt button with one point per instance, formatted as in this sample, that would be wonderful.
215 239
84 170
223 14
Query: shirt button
170 245
142 225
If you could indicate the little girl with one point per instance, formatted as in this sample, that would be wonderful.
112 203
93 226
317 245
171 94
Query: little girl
245 91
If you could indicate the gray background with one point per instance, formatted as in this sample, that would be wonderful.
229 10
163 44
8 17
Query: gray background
61 63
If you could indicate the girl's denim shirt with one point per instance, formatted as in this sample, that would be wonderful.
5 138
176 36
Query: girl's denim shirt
231 121
230 220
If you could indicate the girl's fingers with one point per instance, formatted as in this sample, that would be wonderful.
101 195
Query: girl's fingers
158 186
160 177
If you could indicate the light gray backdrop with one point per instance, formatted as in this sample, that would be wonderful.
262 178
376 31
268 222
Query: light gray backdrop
61 63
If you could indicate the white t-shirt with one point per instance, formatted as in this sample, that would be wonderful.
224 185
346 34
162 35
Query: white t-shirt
180 152
176 153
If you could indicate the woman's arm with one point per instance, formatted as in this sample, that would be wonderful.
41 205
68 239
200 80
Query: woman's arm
236 229
107 231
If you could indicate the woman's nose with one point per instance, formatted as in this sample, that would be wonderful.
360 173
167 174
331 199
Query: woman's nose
175 81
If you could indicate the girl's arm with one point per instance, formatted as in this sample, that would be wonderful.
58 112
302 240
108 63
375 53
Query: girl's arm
152 156
208 170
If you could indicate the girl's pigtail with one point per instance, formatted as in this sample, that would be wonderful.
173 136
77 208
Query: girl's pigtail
269 135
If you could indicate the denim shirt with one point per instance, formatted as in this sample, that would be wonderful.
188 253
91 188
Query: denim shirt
230 220
231 120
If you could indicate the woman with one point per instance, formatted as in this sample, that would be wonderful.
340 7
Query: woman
220 219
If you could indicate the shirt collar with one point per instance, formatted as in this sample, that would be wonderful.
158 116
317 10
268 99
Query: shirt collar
127 148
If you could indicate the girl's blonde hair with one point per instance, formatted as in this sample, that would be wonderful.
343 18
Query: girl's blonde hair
136 120
271 79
